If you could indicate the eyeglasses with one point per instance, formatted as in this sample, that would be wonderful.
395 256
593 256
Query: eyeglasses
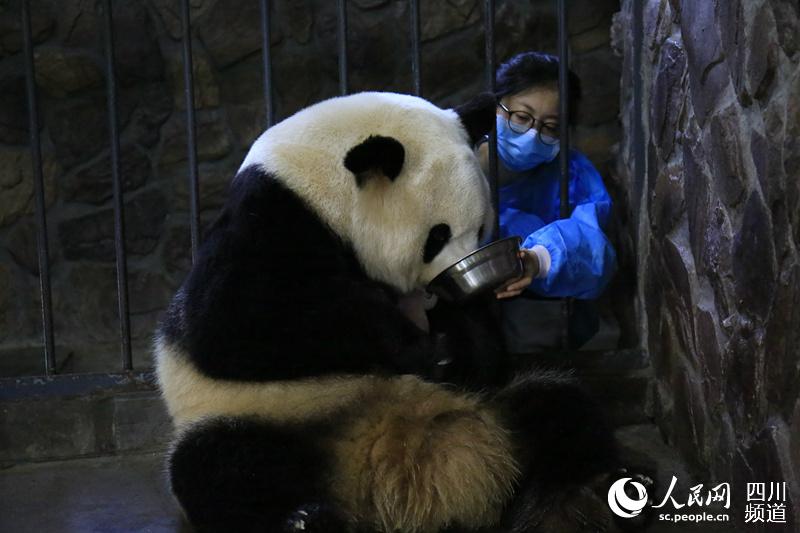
521 121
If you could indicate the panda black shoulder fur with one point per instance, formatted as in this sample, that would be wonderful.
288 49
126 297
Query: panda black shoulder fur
295 382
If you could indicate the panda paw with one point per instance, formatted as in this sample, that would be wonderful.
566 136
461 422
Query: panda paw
313 518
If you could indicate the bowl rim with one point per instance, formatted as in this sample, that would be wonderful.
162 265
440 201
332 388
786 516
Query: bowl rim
492 244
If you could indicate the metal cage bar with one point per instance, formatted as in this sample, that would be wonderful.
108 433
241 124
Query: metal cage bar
416 55
191 141
38 183
563 152
119 218
489 75
342 44
563 111
266 57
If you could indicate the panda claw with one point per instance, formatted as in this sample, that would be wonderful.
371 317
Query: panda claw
312 518
297 520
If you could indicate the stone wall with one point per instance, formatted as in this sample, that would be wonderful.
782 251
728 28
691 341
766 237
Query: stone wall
717 228
230 114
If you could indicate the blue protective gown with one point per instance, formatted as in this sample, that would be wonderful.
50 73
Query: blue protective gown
582 258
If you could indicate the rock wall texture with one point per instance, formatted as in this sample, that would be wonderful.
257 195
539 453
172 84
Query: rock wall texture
715 217
230 114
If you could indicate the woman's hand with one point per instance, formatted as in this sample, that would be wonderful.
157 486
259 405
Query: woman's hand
514 287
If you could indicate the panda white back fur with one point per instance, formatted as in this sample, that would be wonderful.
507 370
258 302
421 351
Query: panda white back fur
295 382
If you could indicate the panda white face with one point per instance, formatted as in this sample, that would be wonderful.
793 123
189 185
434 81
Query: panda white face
392 175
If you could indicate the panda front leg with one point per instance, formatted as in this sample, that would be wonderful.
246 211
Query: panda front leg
250 475
469 335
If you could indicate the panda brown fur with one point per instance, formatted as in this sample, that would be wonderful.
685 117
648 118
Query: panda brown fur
303 398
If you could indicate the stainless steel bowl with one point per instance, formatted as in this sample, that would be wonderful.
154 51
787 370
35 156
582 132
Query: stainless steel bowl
483 270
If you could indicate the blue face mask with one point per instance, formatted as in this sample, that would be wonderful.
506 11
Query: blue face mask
522 151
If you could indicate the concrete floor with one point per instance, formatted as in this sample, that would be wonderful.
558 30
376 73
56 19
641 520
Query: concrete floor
105 494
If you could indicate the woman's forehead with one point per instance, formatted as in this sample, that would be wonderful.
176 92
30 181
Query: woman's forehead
542 101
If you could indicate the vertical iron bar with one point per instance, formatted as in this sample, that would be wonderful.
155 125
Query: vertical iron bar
563 154
119 218
342 41
563 99
188 82
489 75
266 55
416 58
38 184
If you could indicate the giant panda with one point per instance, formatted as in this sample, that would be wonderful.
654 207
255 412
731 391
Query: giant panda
303 397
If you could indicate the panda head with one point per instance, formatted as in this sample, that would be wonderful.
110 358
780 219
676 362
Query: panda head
392 175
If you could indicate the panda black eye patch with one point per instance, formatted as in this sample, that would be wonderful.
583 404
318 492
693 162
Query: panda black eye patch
438 236
378 155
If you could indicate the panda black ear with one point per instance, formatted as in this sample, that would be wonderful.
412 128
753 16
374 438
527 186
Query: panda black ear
377 156
478 115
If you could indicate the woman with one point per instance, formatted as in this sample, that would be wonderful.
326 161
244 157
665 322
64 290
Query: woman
563 258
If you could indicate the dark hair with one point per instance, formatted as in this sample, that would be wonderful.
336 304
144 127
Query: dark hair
535 69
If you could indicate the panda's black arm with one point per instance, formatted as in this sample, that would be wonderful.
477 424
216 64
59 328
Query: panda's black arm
322 327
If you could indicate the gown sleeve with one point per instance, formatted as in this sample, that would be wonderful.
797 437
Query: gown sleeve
582 259
517 222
